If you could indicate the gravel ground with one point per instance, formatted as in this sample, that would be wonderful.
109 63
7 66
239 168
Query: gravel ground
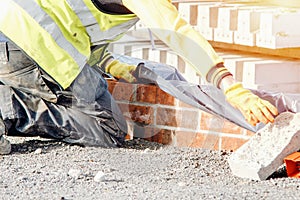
47 169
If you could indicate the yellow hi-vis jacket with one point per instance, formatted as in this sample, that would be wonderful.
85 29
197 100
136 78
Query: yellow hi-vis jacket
58 35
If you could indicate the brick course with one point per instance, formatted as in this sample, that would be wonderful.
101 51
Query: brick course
155 115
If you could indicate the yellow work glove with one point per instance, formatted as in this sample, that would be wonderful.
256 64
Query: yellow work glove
121 70
251 106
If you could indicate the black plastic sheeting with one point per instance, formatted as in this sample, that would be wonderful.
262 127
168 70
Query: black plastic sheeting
205 97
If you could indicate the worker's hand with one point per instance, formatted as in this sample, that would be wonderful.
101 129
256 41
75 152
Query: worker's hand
253 108
121 70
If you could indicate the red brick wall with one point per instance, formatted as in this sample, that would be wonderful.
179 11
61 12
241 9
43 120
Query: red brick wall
157 116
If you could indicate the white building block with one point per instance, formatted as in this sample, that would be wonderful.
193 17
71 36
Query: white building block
236 66
137 52
277 41
264 153
244 38
271 72
188 11
208 15
280 22
227 18
277 87
221 35
117 48
154 55
207 33
190 74
248 19
172 59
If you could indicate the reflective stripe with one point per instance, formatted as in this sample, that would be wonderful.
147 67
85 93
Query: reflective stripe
101 27
37 43
45 21
58 35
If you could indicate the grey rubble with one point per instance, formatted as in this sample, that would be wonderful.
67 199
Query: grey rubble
140 170
264 153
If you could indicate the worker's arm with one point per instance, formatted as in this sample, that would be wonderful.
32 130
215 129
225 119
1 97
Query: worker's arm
165 22
116 68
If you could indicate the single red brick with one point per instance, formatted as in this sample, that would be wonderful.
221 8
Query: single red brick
124 91
214 123
230 127
185 105
162 136
250 133
164 98
188 119
124 107
186 139
146 93
166 116
141 114
150 131
198 141
166 136
211 141
111 85
231 143
210 122
157 138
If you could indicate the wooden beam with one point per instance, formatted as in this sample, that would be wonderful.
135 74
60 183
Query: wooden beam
292 53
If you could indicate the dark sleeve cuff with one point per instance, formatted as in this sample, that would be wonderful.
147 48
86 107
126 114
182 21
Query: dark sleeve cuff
216 74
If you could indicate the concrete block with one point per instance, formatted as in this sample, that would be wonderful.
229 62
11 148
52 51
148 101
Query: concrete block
276 87
271 72
221 35
236 65
188 11
227 18
172 59
264 153
248 20
280 21
154 55
208 14
137 53
280 40
190 74
244 38
207 33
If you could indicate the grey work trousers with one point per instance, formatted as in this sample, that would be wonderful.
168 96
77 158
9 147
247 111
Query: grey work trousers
33 104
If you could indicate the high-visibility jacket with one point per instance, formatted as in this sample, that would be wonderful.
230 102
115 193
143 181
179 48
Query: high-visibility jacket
58 35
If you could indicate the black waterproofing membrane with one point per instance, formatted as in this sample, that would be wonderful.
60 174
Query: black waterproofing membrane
205 97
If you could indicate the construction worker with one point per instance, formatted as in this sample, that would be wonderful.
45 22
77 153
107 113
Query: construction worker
51 53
